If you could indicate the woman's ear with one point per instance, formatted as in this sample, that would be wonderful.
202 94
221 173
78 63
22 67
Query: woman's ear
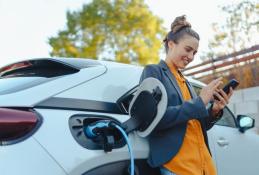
171 44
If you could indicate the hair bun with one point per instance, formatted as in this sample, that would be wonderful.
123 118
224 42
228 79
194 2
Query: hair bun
179 23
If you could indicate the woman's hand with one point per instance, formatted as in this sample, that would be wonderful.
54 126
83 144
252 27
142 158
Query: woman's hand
218 105
208 91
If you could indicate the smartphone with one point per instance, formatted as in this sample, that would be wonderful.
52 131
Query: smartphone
232 83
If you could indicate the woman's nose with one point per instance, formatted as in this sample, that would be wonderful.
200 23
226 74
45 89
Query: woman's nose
190 56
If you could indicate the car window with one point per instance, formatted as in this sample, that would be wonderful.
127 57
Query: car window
26 74
227 118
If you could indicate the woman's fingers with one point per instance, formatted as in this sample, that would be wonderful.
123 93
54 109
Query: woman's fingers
224 95
213 85
217 85
220 98
230 92
216 81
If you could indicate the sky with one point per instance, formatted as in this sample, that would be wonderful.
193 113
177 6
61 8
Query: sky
26 25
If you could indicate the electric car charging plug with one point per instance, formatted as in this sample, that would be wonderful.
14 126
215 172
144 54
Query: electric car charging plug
93 129
101 128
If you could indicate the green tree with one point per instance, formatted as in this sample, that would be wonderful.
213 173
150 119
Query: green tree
240 29
121 30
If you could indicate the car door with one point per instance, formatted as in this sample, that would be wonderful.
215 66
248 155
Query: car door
235 152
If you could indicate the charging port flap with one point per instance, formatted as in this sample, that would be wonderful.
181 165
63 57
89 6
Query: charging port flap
147 107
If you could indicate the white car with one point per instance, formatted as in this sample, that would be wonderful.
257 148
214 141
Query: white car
46 103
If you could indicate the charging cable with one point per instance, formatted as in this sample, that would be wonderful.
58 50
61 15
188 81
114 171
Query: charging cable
94 129
129 147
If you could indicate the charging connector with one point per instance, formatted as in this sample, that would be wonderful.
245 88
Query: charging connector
100 128
94 129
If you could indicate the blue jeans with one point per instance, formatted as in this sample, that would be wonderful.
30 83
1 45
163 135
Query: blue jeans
165 171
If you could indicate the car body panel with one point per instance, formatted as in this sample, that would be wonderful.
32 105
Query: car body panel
71 156
240 155
31 96
28 158
108 87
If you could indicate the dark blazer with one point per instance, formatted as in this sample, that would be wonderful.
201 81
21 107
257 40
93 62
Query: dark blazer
167 138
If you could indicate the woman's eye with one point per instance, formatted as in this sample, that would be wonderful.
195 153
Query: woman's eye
187 50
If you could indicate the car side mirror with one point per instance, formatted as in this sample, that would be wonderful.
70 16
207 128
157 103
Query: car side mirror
245 122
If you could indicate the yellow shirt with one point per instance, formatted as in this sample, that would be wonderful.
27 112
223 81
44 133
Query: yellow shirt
193 157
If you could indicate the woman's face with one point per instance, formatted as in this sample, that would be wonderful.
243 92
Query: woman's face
182 53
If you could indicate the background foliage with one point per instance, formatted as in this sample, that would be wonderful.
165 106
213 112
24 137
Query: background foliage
239 30
120 30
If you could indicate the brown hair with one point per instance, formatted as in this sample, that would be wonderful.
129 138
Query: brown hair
179 28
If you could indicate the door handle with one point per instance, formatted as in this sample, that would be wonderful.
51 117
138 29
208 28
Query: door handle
222 142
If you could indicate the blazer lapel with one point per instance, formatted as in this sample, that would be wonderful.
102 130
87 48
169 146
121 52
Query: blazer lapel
171 78
191 90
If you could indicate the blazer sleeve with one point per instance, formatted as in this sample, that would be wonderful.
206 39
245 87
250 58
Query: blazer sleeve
174 115
211 120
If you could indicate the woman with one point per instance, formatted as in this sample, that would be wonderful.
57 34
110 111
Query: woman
179 143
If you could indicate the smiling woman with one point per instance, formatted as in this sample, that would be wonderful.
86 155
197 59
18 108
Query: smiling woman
186 119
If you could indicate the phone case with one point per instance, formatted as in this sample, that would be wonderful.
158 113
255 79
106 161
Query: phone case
232 83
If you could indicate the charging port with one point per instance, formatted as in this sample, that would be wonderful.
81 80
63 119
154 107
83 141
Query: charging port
110 138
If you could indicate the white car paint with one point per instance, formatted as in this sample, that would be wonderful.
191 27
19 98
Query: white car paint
28 158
